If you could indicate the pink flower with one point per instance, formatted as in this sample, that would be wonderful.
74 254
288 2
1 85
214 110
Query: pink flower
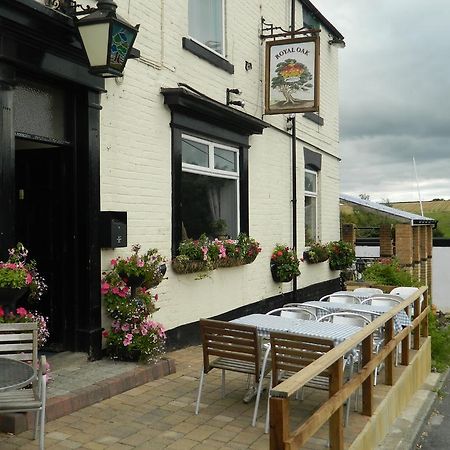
223 252
22 312
125 327
2 312
205 252
114 262
104 288
128 339
140 263
29 278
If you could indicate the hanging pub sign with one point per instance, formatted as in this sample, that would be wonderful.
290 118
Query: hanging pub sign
292 75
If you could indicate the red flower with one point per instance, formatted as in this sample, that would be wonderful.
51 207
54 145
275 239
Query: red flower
2 312
279 253
22 312
105 333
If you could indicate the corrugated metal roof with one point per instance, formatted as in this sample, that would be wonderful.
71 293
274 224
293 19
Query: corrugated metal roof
414 219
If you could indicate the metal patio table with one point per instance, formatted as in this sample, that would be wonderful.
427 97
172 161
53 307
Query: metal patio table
337 332
401 319
15 374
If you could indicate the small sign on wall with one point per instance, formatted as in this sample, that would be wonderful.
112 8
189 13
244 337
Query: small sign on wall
292 75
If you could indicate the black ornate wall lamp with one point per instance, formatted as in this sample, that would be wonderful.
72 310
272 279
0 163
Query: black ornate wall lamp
107 39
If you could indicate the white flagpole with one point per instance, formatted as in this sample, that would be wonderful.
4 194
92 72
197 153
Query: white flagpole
418 189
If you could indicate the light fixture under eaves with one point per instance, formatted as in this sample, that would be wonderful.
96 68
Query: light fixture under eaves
337 42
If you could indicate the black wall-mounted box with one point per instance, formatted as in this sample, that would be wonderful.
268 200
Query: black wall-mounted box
113 229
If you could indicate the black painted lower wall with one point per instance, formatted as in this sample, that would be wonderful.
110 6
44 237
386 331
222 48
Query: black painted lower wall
188 334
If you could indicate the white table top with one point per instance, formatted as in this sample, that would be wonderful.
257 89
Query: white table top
15 374
400 320
336 332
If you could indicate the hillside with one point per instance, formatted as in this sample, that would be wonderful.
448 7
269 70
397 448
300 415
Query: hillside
437 209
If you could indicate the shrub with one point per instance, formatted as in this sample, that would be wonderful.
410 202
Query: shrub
387 271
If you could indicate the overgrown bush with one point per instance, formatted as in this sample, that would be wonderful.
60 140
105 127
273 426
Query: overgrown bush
387 271
439 329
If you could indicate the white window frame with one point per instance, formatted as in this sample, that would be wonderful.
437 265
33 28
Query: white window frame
222 55
316 196
213 172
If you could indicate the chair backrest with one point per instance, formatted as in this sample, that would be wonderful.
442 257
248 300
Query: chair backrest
294 312
19 341
348 318
405 291
231 341
339 297
367 291
291 352
383 300
317 310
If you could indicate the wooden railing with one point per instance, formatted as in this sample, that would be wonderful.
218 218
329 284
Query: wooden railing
282 438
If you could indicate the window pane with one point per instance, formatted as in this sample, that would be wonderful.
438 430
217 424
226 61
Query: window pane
206 23
195 153
310 182
310 220
209 205
225 160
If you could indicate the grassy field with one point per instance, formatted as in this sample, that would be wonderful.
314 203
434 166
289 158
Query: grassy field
438 209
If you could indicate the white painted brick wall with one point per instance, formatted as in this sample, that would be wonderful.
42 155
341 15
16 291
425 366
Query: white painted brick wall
136 151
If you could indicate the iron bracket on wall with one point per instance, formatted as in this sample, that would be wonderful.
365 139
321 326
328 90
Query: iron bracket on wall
69 7
268 31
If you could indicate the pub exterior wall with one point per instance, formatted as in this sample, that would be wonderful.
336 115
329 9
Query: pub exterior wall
136 152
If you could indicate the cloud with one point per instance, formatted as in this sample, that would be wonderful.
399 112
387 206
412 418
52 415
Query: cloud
394 96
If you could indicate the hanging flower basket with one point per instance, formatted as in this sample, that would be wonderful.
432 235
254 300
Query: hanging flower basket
204 255
342 255
277 278
316 253
284 264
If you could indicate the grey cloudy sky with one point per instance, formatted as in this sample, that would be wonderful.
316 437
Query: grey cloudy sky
394 96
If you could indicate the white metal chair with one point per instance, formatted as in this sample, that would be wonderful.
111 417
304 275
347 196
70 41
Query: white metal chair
234 347
18 341
365 291
317 310
294 312
341 297
405 292
382 300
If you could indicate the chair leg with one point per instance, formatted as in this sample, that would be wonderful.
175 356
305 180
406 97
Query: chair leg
36 424
261 380
267 423
42 415
223 383
200 387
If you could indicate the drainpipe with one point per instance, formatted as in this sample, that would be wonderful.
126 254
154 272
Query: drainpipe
294 170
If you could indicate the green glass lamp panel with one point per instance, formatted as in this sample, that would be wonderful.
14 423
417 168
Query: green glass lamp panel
121 41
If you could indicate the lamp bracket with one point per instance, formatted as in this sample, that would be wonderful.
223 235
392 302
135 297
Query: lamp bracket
70 7
268 31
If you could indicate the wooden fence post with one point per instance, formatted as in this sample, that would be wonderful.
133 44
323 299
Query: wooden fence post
279 422
367 386
336 425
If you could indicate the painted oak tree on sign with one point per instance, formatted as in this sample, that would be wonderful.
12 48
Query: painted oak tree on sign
291 77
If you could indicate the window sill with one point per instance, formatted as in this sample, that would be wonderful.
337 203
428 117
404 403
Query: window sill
207 55
314 118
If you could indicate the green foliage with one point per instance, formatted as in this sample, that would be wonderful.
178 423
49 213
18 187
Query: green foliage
316 253
126 294
342 255
387 271
203 254
364 219
439 329
284 263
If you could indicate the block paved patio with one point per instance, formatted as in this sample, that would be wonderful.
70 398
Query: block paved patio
159 414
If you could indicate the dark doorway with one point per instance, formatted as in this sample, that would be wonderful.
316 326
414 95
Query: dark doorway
45 224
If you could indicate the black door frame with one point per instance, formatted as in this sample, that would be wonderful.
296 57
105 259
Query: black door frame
55 55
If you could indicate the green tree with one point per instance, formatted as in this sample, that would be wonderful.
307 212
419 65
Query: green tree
291 77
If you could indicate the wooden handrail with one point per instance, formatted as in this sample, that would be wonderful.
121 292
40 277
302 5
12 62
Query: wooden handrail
280 436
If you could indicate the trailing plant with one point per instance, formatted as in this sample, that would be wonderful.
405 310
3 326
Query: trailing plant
316 253
203 254
342 255
387 271
18 272
284 263
130 303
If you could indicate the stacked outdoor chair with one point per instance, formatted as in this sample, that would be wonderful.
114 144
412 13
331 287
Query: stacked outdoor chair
18 341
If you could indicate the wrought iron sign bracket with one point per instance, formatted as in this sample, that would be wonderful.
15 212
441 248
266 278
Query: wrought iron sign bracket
268 31
70 8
